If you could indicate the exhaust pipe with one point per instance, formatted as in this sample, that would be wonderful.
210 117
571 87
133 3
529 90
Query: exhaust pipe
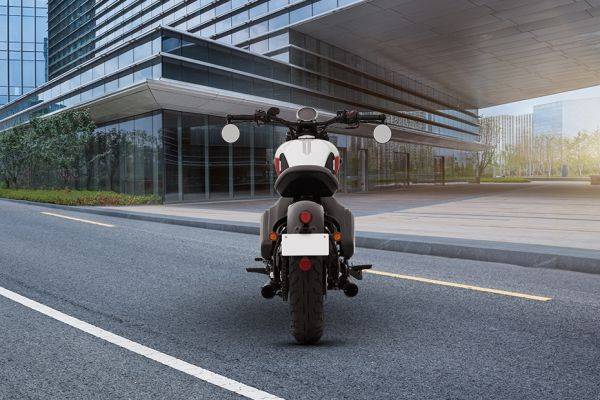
350 289
268 291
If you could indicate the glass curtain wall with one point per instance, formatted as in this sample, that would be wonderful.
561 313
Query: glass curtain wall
199 165
127 156
242 163
23 47
219 161
193 156
122 156
171 148
181 157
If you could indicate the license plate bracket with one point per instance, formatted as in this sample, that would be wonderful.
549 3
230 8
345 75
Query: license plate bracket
305 244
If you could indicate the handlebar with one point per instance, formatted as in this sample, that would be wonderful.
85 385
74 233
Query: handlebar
241 117
368 117
298 128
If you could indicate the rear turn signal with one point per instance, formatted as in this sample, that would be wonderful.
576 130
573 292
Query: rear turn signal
305 264
273 236
337 236
305 217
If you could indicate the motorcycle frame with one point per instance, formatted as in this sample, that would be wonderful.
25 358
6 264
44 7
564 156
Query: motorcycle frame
335 269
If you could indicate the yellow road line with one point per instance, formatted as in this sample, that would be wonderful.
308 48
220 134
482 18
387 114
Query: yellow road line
78 220
459 285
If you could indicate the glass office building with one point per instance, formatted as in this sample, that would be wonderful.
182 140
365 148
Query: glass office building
548 119
162 76
566 118
71 33
23 47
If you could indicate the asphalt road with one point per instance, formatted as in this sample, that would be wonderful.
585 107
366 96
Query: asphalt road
183 292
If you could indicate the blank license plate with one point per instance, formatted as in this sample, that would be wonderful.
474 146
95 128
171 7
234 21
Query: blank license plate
305 244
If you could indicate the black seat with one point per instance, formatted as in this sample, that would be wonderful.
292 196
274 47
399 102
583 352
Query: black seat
306 180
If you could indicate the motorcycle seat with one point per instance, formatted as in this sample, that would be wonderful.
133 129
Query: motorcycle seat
304 180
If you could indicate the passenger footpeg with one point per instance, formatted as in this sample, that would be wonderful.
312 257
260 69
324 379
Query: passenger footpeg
355 271
258 270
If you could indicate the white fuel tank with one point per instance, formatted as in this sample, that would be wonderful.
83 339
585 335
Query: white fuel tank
306 150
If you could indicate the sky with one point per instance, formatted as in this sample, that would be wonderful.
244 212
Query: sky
526 106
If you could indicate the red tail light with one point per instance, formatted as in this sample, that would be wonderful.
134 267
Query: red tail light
277 165
305 264
305 217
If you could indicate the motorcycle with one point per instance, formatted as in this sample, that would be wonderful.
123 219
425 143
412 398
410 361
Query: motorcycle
307 236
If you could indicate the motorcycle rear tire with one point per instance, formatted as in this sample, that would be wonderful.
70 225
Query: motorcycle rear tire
306 301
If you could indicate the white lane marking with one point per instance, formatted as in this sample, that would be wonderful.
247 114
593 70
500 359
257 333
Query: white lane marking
87 221
165 359
459 285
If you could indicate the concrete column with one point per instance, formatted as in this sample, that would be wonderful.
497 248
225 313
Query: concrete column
206 161
179 158
251 133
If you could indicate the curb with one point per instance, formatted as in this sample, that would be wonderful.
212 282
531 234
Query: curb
535 256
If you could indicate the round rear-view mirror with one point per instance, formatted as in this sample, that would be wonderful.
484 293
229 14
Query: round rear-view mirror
382 133
230 133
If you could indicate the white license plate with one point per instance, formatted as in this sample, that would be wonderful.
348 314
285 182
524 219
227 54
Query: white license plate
305 244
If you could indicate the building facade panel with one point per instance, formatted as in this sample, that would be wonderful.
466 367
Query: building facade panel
566 118
548 119
175 150
23 47
182 157
515 139
71 33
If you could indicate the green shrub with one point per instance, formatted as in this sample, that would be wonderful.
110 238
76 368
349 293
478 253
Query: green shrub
509 179
78 197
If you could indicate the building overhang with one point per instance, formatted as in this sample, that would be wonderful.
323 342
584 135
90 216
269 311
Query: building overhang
407 135
489 52
167 94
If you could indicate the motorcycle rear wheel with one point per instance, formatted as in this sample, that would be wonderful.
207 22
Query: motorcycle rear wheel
306 301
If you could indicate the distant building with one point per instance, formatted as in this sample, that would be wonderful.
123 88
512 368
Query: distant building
566 118
23 47
515 137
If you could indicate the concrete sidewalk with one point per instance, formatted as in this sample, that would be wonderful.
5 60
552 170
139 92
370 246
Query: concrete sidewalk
565 214
543 224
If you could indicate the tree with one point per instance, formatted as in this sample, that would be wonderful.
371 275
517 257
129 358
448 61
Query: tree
110 146
593 151
17 150
490 133
51 144
575 153
514 160
64 137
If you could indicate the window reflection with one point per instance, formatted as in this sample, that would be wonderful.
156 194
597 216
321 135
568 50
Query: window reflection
243 173
194 132
219 160
411 110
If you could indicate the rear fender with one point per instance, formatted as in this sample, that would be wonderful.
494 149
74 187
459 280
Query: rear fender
316 225
269 219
